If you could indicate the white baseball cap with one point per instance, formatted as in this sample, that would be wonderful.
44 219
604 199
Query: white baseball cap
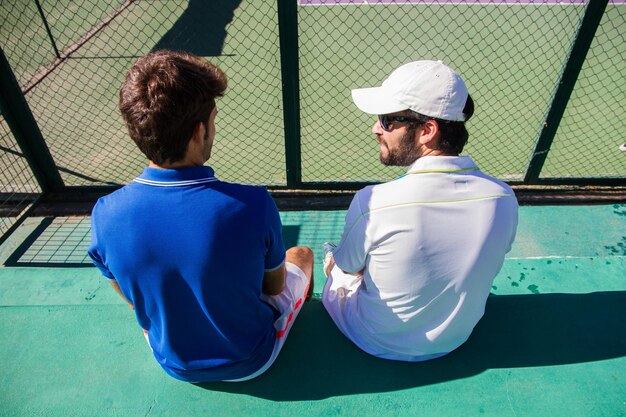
430 88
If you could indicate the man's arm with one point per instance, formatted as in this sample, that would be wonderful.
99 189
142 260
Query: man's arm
274 281
350 255
116 286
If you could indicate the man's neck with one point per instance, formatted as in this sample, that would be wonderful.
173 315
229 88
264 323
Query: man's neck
435 152
173 165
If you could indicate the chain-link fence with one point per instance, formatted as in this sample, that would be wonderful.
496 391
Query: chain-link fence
70 58
73 59
511 56
599 100
19 188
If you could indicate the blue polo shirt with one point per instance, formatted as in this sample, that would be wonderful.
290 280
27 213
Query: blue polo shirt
189 252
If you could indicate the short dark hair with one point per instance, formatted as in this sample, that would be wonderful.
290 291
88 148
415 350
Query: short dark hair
453 135
163 98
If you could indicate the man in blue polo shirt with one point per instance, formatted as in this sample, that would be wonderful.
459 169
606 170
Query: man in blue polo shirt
200 261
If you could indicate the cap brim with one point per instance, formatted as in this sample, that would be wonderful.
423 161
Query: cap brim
376 100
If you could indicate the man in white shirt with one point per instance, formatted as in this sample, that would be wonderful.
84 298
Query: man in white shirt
410 278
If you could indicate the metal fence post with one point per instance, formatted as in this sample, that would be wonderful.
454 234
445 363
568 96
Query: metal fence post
288 34
45 23
24 127
578 52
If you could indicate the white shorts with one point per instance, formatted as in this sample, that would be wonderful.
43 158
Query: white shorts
338 292
289 303
339 297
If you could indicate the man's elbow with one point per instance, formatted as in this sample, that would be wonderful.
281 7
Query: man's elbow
273 289
274 282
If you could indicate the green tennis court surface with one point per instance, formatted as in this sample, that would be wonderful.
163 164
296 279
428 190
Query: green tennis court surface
552 342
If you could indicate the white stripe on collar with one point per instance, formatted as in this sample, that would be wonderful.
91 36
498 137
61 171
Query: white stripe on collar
174 183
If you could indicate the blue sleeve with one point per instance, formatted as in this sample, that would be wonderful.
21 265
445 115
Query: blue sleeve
95 252
275 248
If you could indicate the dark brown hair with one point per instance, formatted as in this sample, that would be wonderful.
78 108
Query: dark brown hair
453 135
164 96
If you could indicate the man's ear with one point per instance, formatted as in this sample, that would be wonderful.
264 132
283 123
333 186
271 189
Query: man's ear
199 131
429 133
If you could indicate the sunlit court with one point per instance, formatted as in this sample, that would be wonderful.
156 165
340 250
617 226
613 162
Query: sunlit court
547 80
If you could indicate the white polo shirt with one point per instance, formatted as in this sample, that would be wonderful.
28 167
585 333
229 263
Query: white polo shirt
429 244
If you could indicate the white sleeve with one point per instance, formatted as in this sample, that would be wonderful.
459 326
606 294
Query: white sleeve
351 253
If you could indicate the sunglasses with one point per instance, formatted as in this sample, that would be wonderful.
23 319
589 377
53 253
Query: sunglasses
386 120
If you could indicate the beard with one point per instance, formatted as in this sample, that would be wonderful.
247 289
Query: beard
405 154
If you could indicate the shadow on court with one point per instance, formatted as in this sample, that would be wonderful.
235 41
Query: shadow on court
516 331
201 29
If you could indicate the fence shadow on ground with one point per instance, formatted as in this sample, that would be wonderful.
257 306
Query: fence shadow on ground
58 242
516 331
201 29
